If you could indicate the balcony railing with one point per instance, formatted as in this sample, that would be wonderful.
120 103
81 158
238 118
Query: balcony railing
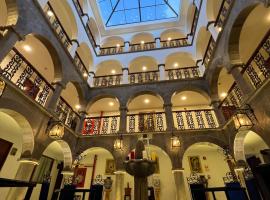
142 47
101 125
195 119
19 71
146 122
105 81
209 51
111 50
66 114
180 42
183 73
224 12
258 67
80 65
57 26
143 77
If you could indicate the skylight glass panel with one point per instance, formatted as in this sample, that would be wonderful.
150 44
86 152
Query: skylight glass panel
121 12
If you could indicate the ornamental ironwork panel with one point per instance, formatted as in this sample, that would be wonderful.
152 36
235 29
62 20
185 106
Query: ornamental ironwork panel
160 124
262 65
27 73
132 78
190 121
155 76
96 126
132 123
114 124
117 80
210 119
253 76
238 94
180 120
186 73
110 81
171 75
266 45
148 77
195 72
12 67
178 74
42 98
140 78
199 118
105 125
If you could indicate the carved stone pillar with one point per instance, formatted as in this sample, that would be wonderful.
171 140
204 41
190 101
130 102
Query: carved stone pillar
125 76
220 117
123 119
169 117
90 79
119 185
80 124
179 178
161 68
52 102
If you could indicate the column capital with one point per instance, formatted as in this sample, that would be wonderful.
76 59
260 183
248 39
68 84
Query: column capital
161 65
82 112
176 170
125 69
91 73
59 83
165 105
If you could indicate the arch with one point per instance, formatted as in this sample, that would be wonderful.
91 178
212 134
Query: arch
202 42
106 106
243 142
26 130
73 95
66 17
138 101
224 83
254 15
61 150
143 63
179 60
146 37
212 9
39 51
108 67
190 17
9 12
94 30
172 34
86 56
190 99
112 41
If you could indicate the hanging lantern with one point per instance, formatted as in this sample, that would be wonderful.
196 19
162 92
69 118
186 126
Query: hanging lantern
175 142
57 131
242 121
118 144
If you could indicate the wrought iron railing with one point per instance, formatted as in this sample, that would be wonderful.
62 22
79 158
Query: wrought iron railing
143 77
104 81
257 68
223 13
111 50
66 114
57 26
180 42
142 47
101 125
183 73
209 51
19 71
195 119
146 122
78 7
80 65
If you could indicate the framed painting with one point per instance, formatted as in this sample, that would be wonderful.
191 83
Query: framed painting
195 164
110 167
80 174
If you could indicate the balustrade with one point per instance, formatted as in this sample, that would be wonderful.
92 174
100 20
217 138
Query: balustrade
111 50
181 42
195 119
19 71
146 122
223 13
101 125
209 51
143 77
104 81
66 114
80 65
183 73
57 26
142 47
257 68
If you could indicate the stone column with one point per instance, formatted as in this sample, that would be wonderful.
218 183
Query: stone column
90 79
8 42
80 124
123 119
125 76
179 178
24 173
158 44
220 117
169 117
73 48
119 185
52 102
243 84
126 48
161 68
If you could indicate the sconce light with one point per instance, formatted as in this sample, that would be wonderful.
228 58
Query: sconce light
118 143
55 129
175 142
242 119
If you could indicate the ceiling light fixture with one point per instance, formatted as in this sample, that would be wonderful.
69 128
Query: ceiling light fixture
169 39
77 106
175 65
111 103
144 68
27 48
183 98
113 71
50 13
142 42
223 94
85 74
118 45
146 101
219 29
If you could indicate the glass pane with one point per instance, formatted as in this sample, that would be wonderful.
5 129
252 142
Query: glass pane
117 18
148 13
128 4
132 16
164 12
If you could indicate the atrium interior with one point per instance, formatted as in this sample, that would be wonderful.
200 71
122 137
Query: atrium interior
134 99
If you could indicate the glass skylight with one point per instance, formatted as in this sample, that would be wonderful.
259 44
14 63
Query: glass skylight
121 12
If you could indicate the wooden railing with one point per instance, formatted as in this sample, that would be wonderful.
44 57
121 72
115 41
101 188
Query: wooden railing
57 26
183 73
101 125
105 81
146 122
66 114
80 65
257 68
143 77
195 119
19 71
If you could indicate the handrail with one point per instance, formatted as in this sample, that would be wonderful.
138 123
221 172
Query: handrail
193 110
182 68
101 117
77 54
229 91
145 113
15 183
220 11
62 99
108 75
144 72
